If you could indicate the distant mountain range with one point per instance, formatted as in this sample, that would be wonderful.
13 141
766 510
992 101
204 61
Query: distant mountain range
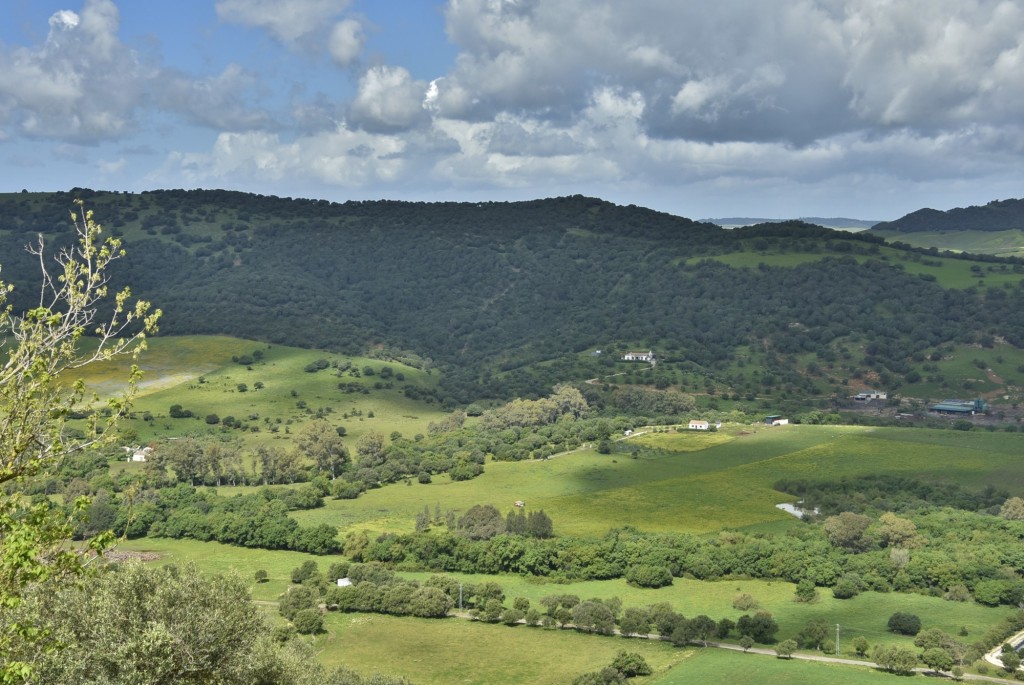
998 215
838 223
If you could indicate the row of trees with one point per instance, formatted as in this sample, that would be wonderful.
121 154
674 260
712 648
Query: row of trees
258 520
375 588
933 552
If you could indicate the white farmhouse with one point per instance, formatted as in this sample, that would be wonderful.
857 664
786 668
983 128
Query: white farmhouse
139 454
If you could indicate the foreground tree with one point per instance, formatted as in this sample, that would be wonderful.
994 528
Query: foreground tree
42 350
138 624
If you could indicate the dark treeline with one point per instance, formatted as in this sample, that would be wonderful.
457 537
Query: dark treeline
487 290
258 520
877 493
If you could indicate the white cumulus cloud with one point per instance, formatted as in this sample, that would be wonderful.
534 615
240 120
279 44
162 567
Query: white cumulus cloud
346 41
389 99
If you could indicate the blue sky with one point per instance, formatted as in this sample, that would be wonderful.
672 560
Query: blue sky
777 108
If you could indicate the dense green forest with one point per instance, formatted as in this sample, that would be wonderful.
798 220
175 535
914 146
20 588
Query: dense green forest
509 298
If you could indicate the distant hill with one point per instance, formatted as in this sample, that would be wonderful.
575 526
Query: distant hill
998 215
838 223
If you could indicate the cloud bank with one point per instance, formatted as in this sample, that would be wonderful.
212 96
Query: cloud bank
655 94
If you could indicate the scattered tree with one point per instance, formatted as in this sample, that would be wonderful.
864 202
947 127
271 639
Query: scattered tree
904 623
785 649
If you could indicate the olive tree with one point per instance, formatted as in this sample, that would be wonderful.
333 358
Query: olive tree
319 441
74 321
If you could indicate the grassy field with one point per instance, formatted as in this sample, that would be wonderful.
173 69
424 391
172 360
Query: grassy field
423 651
587 493
676 481
197 372
674 488
1000 243
948 272
864 615
441 652
720 666
970 372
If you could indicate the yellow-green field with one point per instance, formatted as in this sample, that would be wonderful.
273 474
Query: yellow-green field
197 372
723 485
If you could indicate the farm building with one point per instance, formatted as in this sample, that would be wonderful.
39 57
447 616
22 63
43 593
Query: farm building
139 454
776 420
696 425
869 395
962 407
647 356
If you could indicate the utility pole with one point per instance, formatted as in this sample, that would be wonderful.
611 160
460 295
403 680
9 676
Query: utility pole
837 639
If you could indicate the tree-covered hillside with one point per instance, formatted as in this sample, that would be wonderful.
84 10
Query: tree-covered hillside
998 215
510 297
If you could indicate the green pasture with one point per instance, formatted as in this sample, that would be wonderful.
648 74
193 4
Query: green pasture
1000 243
727 485
416 648
680 441
865 615
587 493
963 377
197 372
948 272
446 651
735 668
216 558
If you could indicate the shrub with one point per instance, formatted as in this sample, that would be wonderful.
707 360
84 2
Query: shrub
746 602
805 592
648 576
631 664
904 623
302 573
308 622
849 586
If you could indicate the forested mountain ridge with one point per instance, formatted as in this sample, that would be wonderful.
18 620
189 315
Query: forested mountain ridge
507 296
998 215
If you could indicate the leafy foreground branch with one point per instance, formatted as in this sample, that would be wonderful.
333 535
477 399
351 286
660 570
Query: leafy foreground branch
75 322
